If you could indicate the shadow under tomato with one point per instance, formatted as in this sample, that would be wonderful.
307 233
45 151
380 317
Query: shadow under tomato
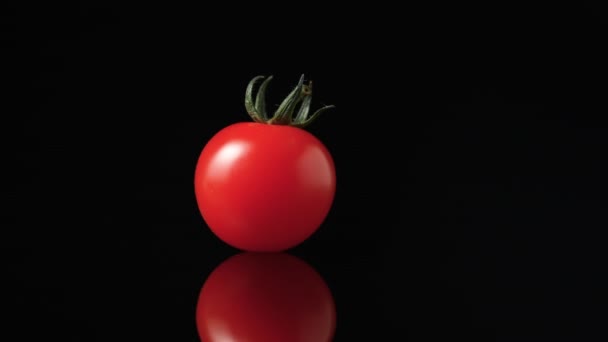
265 297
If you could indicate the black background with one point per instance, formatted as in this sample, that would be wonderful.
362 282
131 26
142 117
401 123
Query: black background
469 150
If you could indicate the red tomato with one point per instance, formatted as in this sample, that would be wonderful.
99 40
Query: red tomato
265 297
264 187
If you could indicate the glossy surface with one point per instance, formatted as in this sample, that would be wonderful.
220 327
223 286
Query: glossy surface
259 297
264 187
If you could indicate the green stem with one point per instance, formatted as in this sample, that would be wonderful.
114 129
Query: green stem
260 100
284 115
249 103
313 117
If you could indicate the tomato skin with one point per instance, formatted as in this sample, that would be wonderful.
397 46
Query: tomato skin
265 297
264 188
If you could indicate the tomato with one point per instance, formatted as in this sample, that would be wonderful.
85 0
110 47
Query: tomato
267 185
265 297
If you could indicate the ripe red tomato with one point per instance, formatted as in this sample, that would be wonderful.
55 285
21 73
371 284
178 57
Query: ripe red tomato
266 185
265 297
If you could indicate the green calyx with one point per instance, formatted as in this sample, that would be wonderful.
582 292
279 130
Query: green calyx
300 98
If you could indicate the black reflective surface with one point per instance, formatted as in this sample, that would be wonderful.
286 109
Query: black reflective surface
470 163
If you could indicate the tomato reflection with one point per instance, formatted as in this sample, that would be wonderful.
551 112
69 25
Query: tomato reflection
265 297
